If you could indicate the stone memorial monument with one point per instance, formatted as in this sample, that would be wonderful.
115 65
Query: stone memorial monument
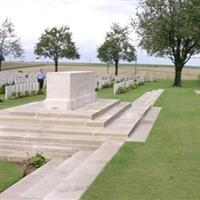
69 90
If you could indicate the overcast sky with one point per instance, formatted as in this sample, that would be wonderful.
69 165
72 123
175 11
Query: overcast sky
89 20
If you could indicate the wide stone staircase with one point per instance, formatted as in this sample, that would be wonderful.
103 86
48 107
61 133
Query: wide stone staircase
31 128
62 179
78 143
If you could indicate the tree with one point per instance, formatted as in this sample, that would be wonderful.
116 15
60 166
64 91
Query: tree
56 43
116 47
170 28
9 42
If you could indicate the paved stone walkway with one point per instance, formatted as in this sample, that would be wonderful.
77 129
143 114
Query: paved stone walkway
142 131
197 91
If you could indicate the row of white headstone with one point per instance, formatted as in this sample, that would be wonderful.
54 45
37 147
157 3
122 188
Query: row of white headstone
9 78
127 83
150 78
124 84
99 84
108 80
21 89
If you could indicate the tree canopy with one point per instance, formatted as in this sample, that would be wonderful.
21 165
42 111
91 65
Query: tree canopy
56 43
9 42
170 28
117 47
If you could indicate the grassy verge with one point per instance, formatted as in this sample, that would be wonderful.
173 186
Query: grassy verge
20 101
9 174
166 167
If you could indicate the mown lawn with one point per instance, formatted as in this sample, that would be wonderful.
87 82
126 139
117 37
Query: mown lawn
9 174
16 102
167 166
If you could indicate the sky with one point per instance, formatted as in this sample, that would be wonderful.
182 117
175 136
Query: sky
89 20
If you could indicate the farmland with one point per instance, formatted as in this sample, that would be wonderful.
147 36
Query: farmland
161 72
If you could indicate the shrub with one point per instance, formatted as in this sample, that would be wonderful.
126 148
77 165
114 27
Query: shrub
37 160
40 92
141 83
2 89
20 95
27 94
131 87
33 93
122 90
107 85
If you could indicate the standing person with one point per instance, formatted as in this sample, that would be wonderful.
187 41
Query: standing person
40 78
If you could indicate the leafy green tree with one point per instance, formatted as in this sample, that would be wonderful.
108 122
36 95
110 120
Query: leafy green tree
170 28
56 43
9 42
116 47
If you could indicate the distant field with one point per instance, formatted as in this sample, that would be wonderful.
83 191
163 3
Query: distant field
160 71
18 65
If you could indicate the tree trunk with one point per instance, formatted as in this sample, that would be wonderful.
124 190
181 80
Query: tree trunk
56 65
177 80
0 64
116 67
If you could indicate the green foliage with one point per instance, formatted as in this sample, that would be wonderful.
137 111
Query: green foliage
40 92
2 89
170 29
199 78
10 173
37 160
131 87
116 47
56 43
9 42
33 93
122 90
27 93
107 85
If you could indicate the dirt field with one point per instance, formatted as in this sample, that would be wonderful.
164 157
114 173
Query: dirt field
158 72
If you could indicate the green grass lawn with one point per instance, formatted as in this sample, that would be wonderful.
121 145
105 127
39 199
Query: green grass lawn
167 166
9 174
16 102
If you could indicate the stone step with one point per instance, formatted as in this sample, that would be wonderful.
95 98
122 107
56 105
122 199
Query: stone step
48 183
65 130
35 147
49 129
148 99
125 124
74 185
100 121
48 145
89 111
142 130
109 116
52 138
14 192
21 155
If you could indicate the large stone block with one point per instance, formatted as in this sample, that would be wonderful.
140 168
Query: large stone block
69 90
